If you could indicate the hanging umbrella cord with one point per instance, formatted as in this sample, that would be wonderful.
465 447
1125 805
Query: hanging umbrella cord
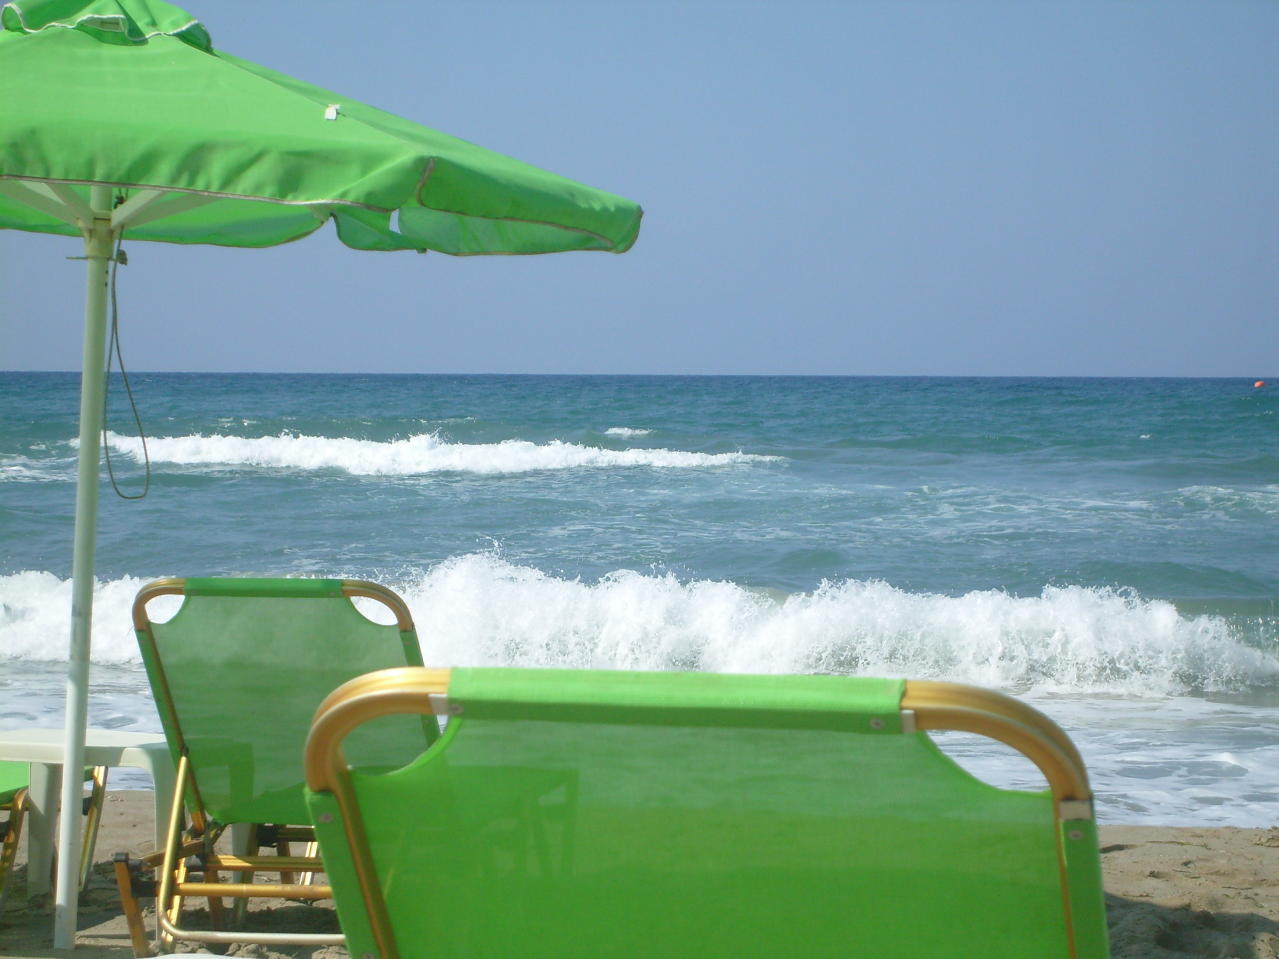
113 349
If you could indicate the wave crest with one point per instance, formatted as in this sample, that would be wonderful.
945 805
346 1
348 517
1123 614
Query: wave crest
415 455
626 431
480 610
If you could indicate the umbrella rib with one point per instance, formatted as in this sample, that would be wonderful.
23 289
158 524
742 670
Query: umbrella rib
72 201
27 194
44 195
155 205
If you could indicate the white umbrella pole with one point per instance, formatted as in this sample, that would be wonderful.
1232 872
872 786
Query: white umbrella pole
97 247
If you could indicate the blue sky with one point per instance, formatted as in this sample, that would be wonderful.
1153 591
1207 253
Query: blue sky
901 188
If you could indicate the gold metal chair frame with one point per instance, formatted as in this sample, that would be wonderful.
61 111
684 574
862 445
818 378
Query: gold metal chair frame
17 808
925 705
174 886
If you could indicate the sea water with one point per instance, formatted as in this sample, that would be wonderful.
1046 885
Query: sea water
1104 548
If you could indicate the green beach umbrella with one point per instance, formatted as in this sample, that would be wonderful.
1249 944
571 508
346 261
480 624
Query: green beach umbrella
120 117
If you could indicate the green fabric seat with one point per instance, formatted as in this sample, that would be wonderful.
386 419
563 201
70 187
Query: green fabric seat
607 814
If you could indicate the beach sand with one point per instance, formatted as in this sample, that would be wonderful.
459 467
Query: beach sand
1170 893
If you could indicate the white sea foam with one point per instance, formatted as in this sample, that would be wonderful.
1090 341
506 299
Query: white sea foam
481 610
1235 502
1123 675
35 618
424 453
23 469
626 431
16 472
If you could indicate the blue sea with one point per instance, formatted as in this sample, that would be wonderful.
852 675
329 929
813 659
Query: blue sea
1104 548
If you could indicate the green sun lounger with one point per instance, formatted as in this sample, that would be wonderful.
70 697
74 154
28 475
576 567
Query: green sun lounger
613 815
237 673
14 802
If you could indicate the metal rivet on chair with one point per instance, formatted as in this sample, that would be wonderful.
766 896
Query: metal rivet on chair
876 723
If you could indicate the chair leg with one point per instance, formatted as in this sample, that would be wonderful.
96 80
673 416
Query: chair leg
284 848
92 818
243 844
132 909
168 902
311 850
217 908
167 942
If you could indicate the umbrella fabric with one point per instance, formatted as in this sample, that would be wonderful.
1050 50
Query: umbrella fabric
133 94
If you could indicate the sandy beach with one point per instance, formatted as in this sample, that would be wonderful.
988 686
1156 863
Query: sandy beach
1170 893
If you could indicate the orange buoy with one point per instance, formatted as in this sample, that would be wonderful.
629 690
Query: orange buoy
1259 384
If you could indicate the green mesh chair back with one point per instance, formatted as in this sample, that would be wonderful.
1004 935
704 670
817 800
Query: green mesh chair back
604 814
239 671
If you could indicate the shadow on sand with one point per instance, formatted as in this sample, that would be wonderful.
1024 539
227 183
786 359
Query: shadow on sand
1145 930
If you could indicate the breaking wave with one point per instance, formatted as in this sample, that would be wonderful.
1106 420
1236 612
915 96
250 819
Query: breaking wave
626 431
479 609
424 453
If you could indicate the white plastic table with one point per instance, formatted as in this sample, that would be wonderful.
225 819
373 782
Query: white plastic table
42 748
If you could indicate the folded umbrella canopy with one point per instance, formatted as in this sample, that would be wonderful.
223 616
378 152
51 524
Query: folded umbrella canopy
120 116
